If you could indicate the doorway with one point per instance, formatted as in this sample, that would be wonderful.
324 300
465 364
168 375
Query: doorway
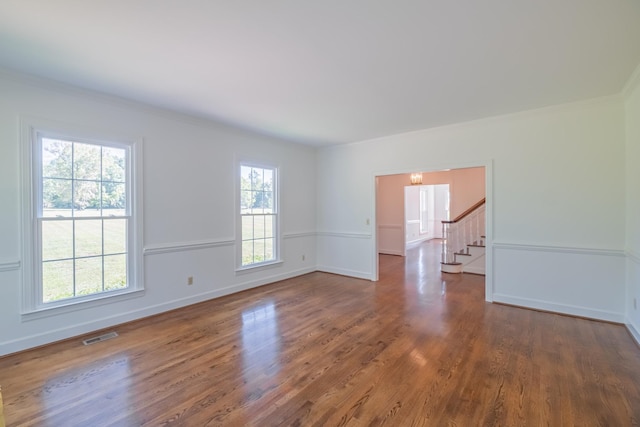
394 231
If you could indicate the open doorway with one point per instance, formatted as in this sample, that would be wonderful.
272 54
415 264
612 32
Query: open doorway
397 229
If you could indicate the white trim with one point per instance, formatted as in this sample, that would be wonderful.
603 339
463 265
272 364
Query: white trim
558 249
487 164
84 304
32 128
251 268
573 310
245 161
390 252
633 256
47 337
345 272
9 265
298 235
164 248
633 331
347 235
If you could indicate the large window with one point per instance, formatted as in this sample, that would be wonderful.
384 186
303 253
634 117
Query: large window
82 227
258 215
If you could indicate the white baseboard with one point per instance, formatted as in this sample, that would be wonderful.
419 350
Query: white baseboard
560 308
345 272
390 252
48 337
474 269
633 331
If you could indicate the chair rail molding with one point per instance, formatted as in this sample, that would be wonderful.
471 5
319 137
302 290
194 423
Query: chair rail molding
348 235
633 256
558 249
187 246
9 264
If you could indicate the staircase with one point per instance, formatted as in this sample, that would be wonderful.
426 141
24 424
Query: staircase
463 248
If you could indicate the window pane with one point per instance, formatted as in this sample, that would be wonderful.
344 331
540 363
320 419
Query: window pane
269 254
258 250
268 180
245 178
247 252
261 200
86 198
86 161
57 240
247 227
269 225
115 236
258 226
88 237
56 158
57 280
56 197
114 199
113 164
88 276
246 201
256 208
115 272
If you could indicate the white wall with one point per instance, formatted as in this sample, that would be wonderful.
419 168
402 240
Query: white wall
556 199
633 203
188 206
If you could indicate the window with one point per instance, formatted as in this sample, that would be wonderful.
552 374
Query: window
424 209
82 228
258 215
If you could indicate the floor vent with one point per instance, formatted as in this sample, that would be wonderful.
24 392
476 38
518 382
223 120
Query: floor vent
100 338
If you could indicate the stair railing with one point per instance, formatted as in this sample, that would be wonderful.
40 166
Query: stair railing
467 228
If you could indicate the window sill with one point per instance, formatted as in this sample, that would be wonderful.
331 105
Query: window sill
258 267
84 304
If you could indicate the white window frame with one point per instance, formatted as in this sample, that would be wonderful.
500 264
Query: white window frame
32 131
276 206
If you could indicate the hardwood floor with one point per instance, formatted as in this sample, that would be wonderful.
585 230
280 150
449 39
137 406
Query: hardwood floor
416 348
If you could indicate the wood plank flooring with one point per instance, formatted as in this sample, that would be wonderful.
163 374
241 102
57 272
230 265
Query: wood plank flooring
416 348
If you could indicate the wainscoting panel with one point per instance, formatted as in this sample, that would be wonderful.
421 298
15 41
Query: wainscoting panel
390 239
345 253
578 281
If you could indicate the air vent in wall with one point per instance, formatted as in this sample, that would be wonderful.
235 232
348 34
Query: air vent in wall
100 338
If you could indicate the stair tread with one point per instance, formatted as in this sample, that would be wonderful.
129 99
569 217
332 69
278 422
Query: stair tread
477 246
462 253
451 263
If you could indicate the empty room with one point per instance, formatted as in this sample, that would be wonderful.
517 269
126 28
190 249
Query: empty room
319 213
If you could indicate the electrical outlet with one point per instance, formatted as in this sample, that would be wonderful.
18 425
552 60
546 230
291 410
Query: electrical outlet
190 280
368 221
304 257
635 304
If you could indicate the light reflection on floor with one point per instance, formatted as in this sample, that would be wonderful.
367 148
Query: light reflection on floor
261 341
114 372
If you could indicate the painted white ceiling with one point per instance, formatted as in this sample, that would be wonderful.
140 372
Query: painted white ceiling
330 71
